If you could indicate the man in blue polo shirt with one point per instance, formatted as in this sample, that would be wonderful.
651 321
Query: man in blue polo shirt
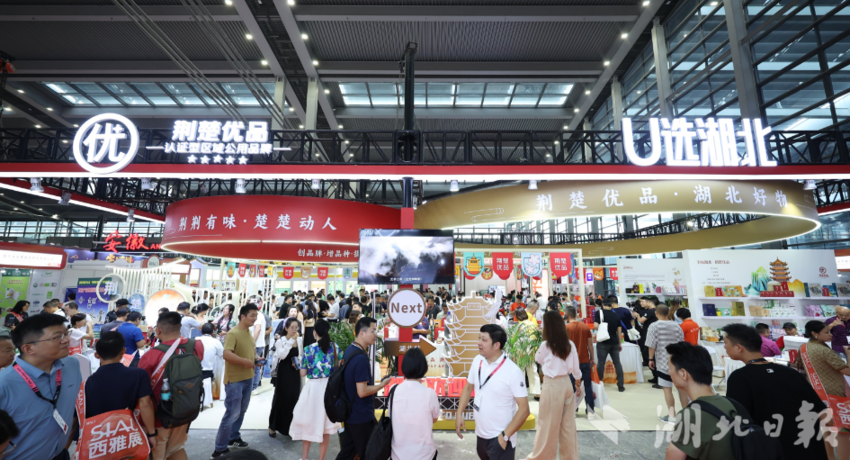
360 387
44 413
133 337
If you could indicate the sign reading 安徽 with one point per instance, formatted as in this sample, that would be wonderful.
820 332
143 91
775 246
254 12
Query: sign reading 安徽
406 307
718 142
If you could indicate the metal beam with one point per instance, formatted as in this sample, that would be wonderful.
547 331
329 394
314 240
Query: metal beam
91 13
615 57
488 13
16 112
471 79
303 53
37 98
451 112
167 112
462 68
60 68
265 48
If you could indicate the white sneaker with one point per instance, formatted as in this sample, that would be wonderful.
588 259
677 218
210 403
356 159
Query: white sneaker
255 392
592 416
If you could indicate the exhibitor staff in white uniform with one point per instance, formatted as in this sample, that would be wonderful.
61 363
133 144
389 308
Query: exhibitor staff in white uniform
501 399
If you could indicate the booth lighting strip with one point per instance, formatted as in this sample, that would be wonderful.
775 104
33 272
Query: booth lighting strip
78 203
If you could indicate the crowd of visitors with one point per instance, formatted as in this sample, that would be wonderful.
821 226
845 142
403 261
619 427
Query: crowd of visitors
157 376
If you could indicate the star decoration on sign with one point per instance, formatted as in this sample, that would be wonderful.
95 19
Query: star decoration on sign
205 160
217 159
229 160
192 158
243 160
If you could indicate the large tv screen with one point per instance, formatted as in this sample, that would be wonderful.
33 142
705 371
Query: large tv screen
406 257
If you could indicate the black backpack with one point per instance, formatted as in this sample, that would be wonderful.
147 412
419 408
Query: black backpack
184 374
380 445
337 403
756 443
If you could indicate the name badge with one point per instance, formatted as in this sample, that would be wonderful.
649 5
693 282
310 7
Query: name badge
60 421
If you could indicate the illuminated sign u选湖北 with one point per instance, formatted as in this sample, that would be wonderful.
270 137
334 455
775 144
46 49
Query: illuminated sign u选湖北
98 142
718 142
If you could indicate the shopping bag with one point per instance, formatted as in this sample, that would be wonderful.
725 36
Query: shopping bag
600 399
112 435
602 332
594 375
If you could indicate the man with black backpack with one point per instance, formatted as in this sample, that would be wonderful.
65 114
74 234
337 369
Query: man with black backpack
360 389
699 423
177 403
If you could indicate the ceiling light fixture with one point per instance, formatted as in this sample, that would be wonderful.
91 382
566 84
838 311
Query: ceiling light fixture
249 36
532 185
315 62
55 216
646 3
316 184
264 62
21 91
290 2
303 36
292 109
454 187
35 185
624 36
327 91
38 126
240 186
575 110
556 142
300 126
50 109
65 141
809 185
690 223
587 92
340 126
76 125
606 63
65 199
228 2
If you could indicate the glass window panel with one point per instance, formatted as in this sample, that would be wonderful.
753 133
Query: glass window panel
440 88
106 100
77 100
440 100
470 88
838 52
183 93
61 88
800 99
528 89
352 88
239 93
553 100
356 100
90 88
469 100
382 88
524 101
385 100
499 88
558 88
497 100
154 93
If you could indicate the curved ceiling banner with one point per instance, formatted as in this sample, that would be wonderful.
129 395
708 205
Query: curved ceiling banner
272 227
790 211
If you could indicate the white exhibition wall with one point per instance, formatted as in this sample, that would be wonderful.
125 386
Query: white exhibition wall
749 269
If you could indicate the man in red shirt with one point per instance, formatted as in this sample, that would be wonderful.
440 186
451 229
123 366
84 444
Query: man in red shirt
689 326
580 335
169 441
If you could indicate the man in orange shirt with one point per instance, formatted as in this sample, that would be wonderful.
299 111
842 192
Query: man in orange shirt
689 326
579 333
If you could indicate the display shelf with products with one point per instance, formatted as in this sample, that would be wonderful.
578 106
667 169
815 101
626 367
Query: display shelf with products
723 298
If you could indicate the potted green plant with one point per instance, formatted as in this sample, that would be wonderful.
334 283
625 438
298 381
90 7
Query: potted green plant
523 342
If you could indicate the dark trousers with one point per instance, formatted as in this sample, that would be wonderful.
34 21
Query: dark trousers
489 449
588 386
354 440
603 350
644 352
64 455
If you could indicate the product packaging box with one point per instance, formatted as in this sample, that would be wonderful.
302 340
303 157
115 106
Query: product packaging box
718 291
815 290
738 309
833 291
814 311
710 292
828 310
708 309
843 289
725 311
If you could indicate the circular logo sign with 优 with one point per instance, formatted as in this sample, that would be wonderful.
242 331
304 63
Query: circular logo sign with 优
406 307
108 140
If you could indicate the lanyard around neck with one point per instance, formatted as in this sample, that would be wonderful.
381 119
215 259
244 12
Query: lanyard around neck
480 364
35 389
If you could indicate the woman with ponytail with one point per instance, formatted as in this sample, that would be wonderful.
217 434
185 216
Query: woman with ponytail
310 423
310 316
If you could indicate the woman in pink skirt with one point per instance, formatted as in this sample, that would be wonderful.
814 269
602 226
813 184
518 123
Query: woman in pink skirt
310 423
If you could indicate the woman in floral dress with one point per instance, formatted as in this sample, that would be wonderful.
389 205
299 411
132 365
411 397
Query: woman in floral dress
310 423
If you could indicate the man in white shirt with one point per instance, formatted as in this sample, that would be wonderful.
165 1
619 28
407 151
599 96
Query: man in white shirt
189 320
333 313
258 330
501 398
213 350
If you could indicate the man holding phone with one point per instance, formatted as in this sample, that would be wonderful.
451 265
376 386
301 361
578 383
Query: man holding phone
360 387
